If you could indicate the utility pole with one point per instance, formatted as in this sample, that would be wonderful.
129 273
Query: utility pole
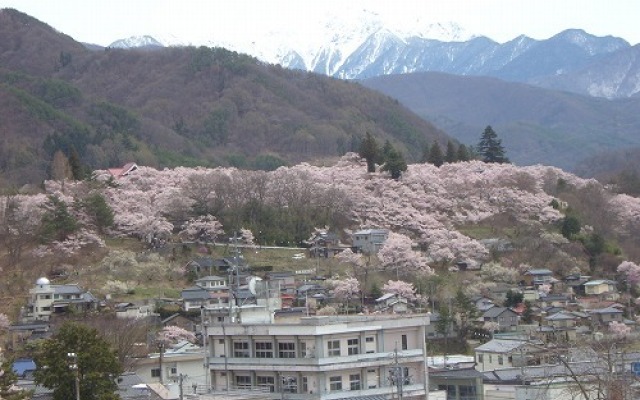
205 345
73 359
161 349
397 376
181 380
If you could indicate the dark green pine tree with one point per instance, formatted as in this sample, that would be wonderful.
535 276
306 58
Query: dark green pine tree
370 151
463 153
435 155
451 154
490 147
387 149
97 364
395 163
77 170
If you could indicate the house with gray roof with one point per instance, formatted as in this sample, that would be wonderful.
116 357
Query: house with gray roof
46 300
506 318
506 353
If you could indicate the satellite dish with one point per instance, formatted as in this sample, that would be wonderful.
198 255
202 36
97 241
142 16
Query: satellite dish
252 284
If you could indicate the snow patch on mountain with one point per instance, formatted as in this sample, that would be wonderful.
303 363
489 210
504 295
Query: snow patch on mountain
136 41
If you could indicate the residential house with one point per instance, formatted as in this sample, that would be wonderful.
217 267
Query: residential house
483 303
559 327
576 283
537 277
458 383
506 318
602 317
392 303
210 292
166 365
506 353
322 357
369 241
123 171
135 311
604 289
325 244
46 299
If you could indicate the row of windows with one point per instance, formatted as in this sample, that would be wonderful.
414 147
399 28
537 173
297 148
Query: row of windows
264 350
288 349
500 359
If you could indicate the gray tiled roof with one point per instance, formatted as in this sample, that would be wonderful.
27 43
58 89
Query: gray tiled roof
501 346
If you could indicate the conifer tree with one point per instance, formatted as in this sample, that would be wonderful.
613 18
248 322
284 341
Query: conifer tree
450 155
435 155
370 151
490 147
463 153
394 163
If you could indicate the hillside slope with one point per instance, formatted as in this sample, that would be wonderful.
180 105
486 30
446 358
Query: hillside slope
177 106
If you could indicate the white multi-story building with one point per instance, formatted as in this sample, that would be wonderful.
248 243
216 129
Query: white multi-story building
46 299
323 357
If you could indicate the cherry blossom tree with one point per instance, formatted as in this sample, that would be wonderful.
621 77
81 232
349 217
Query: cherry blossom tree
344 289
247 237
619 329
544 289
401 288
630 271
171 335
397 254
204 228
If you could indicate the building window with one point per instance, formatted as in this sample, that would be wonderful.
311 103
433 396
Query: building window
405 342
500 360
243 381
173 371
264 350
266 382
354 382
353 346
241 349
370 339
305 384
480 358
467 392
287 350
155 372
333 347
220 341
289 384
335 383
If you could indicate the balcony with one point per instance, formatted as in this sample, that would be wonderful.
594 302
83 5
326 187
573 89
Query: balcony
314 364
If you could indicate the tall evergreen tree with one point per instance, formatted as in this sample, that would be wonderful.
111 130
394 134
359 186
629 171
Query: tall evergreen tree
463 153
450 156
394 163
370 151
490 147
96 364
435 155
77 170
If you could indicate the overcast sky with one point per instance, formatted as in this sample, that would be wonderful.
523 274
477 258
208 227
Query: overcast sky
196 21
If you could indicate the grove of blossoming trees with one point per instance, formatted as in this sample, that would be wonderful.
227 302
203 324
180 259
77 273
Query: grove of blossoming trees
424 208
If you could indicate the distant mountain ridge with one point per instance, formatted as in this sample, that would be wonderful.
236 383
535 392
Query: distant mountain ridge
572 60
536 125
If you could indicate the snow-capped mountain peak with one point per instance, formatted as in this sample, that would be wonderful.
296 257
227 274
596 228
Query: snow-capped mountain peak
136 41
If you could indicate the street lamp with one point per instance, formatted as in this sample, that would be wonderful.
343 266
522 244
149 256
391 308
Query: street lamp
73 365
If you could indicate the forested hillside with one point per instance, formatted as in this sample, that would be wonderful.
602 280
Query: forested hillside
176 106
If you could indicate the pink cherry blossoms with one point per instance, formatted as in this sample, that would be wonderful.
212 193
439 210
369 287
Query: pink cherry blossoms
402 288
